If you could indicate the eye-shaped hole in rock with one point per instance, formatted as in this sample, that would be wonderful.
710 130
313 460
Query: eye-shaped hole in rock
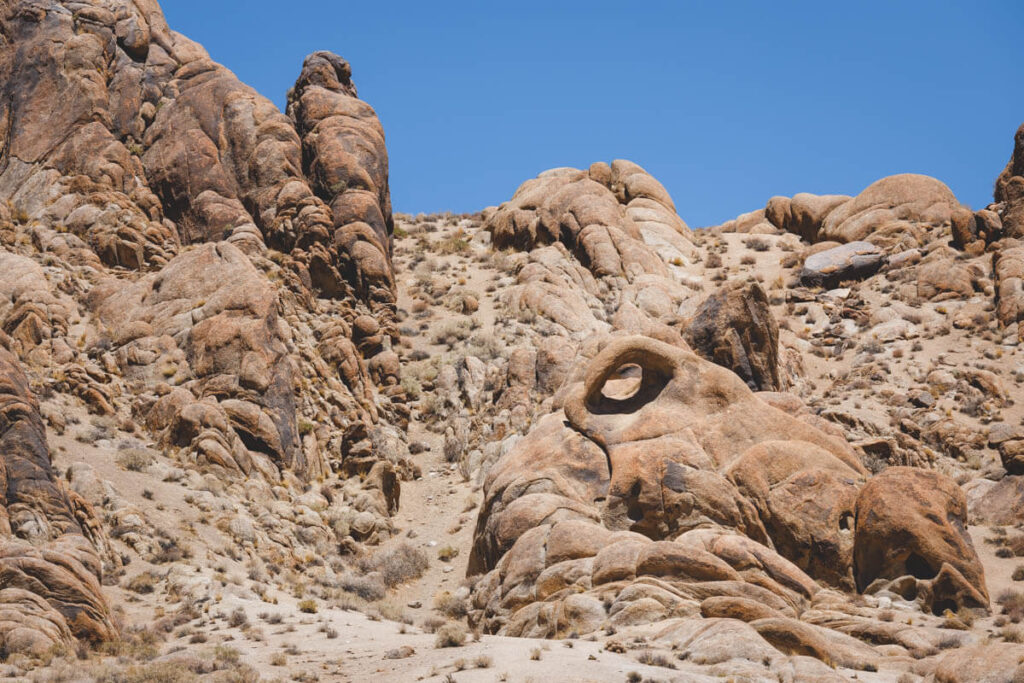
919 568
629 385
624 383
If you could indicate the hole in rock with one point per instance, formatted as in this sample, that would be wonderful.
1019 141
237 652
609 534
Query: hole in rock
919 568
629 387
633 509
846 521
940 606
624 383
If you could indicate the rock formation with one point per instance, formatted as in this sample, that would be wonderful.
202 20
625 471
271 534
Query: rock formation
690 493
195 266
236 386
52 545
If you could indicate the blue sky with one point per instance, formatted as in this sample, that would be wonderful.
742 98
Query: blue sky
726 103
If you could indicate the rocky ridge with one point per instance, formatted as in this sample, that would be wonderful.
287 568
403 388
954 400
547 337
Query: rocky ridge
237 387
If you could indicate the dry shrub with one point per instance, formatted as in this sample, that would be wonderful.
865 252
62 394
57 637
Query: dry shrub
452 634
397 564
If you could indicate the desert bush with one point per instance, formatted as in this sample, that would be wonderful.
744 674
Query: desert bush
135 459
238 618
451 605
431 624
370 587
651 658
452 634
1012 603
398 563
142 583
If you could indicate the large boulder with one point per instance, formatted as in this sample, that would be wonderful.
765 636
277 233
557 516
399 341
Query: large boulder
735 328
804 213
913 522
892 212
618 220
852 261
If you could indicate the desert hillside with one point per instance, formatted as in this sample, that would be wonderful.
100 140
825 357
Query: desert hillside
258 426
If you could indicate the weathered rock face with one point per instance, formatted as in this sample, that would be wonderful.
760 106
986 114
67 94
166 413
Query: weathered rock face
607 216
804 213
51 557
347 164
1008 268
665 488
155 145
195 266
1009 189
895 213
928 541
735 328
852 261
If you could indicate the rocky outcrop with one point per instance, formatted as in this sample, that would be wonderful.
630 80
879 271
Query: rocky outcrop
652 492
201 270
895 213
612 218
804 213
169 148
51 543
1009 190
852 261
1008 268
735 328
347 165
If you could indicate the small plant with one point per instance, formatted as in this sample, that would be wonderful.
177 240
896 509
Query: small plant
135 459
238 618
483 662
142 583
278 659
757 244
307 606
447 553
1012 603
397 564
535 654
432 624
452 634
1018 573
369 588
451 605
651 658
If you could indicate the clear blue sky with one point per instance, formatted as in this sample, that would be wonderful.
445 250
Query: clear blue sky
727 103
